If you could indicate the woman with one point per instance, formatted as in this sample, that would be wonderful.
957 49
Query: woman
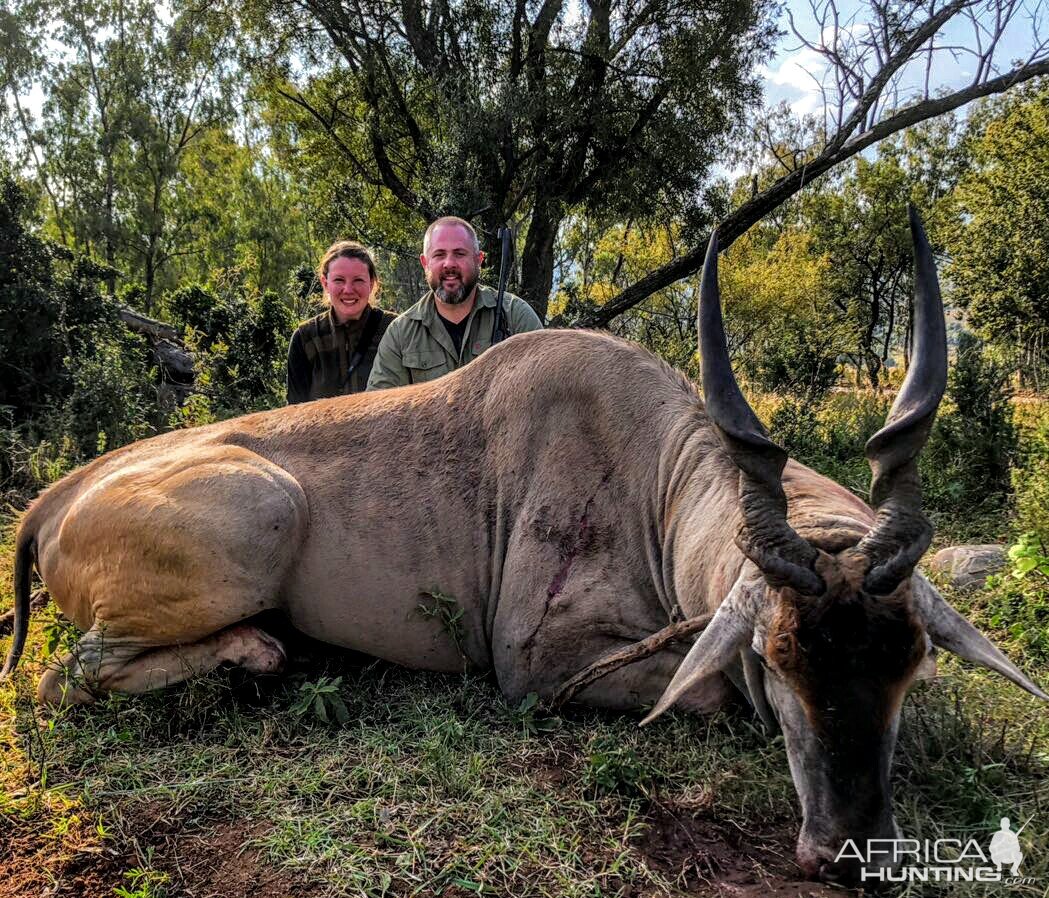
332 354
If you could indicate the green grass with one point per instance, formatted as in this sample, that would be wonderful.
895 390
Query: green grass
432 784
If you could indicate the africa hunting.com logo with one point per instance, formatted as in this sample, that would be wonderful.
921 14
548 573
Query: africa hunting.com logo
941 860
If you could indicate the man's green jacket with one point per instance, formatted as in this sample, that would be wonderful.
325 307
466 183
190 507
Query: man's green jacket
416 347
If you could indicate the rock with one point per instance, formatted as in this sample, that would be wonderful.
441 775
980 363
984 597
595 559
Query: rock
965 567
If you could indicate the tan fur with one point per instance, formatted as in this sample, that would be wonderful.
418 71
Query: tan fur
566 489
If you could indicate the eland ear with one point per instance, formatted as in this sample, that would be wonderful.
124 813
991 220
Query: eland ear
951 632
717 646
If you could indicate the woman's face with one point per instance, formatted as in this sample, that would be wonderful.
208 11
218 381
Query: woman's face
349 287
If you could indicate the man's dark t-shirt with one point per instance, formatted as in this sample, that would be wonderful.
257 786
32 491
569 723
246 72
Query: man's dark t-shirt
455 331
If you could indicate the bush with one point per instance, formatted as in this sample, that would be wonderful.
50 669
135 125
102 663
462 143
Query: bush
967 461
74 377
794 360
829 436
240 339
1030 478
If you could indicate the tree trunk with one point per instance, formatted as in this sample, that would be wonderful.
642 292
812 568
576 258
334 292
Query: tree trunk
110 226
537 261
150 272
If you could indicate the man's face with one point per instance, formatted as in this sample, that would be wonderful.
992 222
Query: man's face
349 287
451 263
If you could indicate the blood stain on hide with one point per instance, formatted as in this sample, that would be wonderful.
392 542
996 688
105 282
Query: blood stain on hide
569 553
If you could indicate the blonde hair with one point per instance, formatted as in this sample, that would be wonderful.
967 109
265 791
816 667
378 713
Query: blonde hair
451 220
350 249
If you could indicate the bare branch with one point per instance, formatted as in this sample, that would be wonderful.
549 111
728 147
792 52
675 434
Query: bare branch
756 208
615 660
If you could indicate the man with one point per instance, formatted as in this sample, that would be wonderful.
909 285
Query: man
452 324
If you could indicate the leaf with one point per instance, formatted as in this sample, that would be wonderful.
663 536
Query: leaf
319 709
1025 565
342 713
528 703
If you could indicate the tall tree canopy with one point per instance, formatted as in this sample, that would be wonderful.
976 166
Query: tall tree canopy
524 110
999 248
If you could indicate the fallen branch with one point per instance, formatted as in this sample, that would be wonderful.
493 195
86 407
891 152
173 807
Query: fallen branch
757 207
622 657
175 361
140 324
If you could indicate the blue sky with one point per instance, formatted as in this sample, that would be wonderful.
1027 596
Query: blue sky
789 76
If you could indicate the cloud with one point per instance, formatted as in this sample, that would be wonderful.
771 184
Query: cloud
796 79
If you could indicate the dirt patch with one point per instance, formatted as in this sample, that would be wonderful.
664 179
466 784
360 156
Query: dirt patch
200 861
39 867
715 858
222 864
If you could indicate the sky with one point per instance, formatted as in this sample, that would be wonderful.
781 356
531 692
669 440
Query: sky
793 75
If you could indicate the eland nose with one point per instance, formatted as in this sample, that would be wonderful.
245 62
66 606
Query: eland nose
844 872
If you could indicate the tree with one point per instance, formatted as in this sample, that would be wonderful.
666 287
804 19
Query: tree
519 112
125 94
182 91
70 368
999 269
868 63
862 226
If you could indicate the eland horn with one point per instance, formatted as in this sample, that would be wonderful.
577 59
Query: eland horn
765 537
901 532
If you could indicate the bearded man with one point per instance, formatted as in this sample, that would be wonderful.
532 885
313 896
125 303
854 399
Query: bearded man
452 324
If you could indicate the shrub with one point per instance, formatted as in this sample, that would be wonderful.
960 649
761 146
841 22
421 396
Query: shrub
829 436
967 461
73 375
1030 478
239 337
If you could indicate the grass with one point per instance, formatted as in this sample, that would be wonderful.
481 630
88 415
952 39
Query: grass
352 777
434 785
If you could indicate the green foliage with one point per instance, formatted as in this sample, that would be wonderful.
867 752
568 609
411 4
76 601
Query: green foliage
322 700
143 882
449 613
574 125
829 435
614 768
75 376
967 460
60 635
1030 558
240 338
999 250
780 322
528 714
1030 478
1016 602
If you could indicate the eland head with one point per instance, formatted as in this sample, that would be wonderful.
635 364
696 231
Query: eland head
831 640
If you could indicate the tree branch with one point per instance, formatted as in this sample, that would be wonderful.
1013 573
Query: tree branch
622 657
783 189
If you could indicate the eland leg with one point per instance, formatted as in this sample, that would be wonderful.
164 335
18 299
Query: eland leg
99 664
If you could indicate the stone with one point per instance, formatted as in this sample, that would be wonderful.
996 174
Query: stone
967 567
